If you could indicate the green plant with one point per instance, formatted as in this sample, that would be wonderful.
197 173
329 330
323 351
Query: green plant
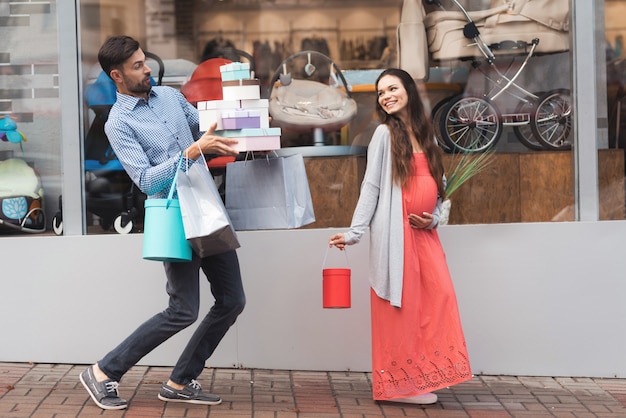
464 166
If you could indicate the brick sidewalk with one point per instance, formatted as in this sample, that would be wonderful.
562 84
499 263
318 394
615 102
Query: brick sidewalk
54 391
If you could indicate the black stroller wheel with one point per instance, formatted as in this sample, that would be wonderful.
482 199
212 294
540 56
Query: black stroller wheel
123 224
471 124
551 119
57 224
436 117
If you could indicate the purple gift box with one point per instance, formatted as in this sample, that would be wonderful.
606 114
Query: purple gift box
241 119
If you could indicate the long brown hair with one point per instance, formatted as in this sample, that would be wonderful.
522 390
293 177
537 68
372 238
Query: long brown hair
420 124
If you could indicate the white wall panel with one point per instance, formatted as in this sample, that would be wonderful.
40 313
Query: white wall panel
535 299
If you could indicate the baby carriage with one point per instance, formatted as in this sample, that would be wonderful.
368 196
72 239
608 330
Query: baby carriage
474 123
109 192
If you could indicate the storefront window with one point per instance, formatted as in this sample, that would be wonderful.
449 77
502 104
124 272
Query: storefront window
507 96
517 105
512 95
612 79
30 123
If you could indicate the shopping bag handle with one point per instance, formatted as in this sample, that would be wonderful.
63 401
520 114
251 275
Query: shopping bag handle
173 186
201 155
325 255
206 166
267 156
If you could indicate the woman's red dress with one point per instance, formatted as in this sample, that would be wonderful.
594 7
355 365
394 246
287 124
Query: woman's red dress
419 347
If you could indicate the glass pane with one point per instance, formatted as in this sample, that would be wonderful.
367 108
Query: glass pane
30 123
112 203
612 76
302 51
504 95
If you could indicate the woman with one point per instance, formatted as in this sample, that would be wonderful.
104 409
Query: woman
417 340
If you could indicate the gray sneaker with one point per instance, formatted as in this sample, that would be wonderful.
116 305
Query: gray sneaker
192 393
104 394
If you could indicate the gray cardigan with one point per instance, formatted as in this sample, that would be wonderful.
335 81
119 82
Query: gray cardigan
380 208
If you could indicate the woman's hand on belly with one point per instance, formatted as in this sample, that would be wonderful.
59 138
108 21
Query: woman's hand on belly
420 221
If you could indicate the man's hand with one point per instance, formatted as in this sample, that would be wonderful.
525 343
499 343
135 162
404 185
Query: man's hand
211 144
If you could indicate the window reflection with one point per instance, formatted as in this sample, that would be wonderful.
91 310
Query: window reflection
527 123
511 93
30 123
613 76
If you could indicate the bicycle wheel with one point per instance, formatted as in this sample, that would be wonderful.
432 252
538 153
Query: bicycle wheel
551 119
436 117
470 124
524 133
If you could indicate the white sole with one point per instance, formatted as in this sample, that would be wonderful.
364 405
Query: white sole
109 408
425 399
164 399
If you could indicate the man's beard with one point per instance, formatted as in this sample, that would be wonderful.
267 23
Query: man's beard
138 88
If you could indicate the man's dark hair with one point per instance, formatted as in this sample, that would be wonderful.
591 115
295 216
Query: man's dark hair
115 51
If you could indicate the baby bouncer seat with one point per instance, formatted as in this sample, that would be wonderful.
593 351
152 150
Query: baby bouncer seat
309 93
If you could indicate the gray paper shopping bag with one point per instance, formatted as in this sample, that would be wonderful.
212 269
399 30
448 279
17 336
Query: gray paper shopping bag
207 226
269 193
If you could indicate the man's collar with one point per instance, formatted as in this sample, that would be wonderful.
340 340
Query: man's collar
130 102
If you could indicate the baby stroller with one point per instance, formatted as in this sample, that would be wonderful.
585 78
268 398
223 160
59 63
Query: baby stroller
109 192
474 123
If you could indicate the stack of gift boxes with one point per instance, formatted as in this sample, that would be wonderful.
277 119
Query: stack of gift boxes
241 114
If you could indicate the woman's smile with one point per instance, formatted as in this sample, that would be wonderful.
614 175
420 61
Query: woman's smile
392 95
390 104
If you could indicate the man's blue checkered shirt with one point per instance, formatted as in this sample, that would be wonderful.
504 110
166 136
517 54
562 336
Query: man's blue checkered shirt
148 137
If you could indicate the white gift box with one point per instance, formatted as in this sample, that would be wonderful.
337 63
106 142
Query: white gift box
210 112
254 103
241 89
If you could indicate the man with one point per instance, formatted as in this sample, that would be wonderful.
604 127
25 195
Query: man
149 128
